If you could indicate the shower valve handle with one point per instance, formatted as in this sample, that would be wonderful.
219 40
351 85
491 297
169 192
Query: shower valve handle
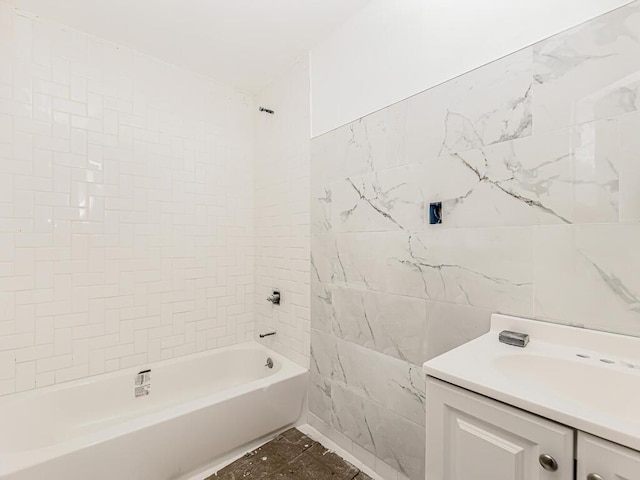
274 298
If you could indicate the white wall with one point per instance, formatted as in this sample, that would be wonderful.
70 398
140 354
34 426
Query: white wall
535 159
126 207
393 49
282 213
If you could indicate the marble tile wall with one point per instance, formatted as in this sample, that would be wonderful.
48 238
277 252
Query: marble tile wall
126 207
536 159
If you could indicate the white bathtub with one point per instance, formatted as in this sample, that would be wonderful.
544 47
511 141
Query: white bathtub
199 408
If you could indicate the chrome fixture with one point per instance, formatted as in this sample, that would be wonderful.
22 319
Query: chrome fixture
274 297
594 476
549 463
516 339
268 334
269 363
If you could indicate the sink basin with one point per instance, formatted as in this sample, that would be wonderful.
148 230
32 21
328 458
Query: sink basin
597 386
585 379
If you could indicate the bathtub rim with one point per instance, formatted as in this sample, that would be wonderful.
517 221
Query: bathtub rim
35 392
15 461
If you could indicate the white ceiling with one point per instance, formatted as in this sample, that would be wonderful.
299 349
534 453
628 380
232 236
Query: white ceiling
244 43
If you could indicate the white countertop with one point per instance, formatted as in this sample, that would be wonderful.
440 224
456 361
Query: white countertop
549 378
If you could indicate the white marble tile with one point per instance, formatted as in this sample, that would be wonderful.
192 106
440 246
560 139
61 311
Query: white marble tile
399 148
357 139
390 200
630 167
589 72
358 258
373 142
394 325
333 439
393 383
393 439
386 471
325 267
322 427
322 309
565 176
324 356
365 145
321 208
450 325
523 182
488 105
366 259
398 198
489 268
348 417
320 397
587 275
368 459
595 172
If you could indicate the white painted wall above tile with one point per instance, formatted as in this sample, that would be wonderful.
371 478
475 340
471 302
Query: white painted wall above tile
393 49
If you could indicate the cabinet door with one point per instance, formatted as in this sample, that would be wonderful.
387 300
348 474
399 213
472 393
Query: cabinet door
608 460
473 437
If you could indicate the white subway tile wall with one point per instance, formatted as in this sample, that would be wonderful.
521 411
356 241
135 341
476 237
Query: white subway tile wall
283 213
126 208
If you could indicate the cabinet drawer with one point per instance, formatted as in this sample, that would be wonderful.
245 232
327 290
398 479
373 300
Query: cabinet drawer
473 437
608 460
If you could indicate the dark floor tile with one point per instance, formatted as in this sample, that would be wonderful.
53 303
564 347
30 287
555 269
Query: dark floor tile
290 456
251 466
305 467
286 447
295 435
340 468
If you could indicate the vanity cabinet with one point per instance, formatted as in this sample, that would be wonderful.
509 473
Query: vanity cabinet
472 437
535 400
599 459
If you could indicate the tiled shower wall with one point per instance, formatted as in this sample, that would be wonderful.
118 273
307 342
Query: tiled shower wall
536 158
126 207
282 213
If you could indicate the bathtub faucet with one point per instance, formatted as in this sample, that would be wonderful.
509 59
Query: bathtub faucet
268 334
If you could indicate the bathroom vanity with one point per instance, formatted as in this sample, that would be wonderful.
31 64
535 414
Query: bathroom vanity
565 406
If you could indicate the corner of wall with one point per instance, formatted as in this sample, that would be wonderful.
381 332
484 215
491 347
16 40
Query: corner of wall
282 212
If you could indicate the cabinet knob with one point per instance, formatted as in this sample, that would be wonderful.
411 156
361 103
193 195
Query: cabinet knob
594 476
550 465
